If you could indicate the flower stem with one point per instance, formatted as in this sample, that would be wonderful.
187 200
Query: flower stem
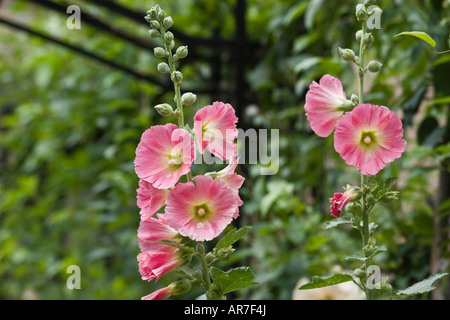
205 271
177 87
361 71
365 212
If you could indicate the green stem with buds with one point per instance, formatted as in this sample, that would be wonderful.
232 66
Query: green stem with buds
364 209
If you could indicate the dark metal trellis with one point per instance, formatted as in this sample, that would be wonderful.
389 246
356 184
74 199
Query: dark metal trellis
236 46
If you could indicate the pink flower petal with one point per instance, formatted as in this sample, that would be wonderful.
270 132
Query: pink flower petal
322 102
163 155
201 211
215 129
151 232
383 131
150 199
160 294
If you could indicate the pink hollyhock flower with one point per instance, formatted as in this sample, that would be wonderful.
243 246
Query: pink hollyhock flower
369 137
163 155
340 200
215 129
151 232
201 211
160 294
325 104
155 264
150 199
233 180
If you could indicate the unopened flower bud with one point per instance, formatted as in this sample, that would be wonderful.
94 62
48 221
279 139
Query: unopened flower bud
153 12
355 99
213 293
224 253
361 12
197 274
359 273
209 257
163 67
164 109
188 98
168 37
200 248
182 52
154 24
154 33
177 77
167 22
385 287
159 52
347 54
161 15
346 106
374 66
148 18
358 35
368 40
181 286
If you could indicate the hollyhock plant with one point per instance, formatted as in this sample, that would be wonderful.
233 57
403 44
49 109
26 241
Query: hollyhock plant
150 199
163 155
197 208
369 137
215 130
201 211
325 103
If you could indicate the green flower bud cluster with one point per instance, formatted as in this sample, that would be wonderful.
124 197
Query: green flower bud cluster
160 24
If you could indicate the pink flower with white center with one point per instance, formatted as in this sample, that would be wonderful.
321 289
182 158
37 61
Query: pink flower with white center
325 103
163 155
150 199
155 264
340 200
215 129
201 211
233 180
369 137
151 232
160 294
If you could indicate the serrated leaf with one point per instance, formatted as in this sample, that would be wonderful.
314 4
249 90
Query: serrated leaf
233 279
354 257
421 35
318 282
336 222
231 237
422 286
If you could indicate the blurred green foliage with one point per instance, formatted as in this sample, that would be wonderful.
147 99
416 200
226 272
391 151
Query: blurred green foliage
69 128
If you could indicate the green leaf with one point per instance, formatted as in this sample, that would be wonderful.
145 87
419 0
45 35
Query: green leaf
421 35
337 222
422 286
318 282
231 237
354 257
233 279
